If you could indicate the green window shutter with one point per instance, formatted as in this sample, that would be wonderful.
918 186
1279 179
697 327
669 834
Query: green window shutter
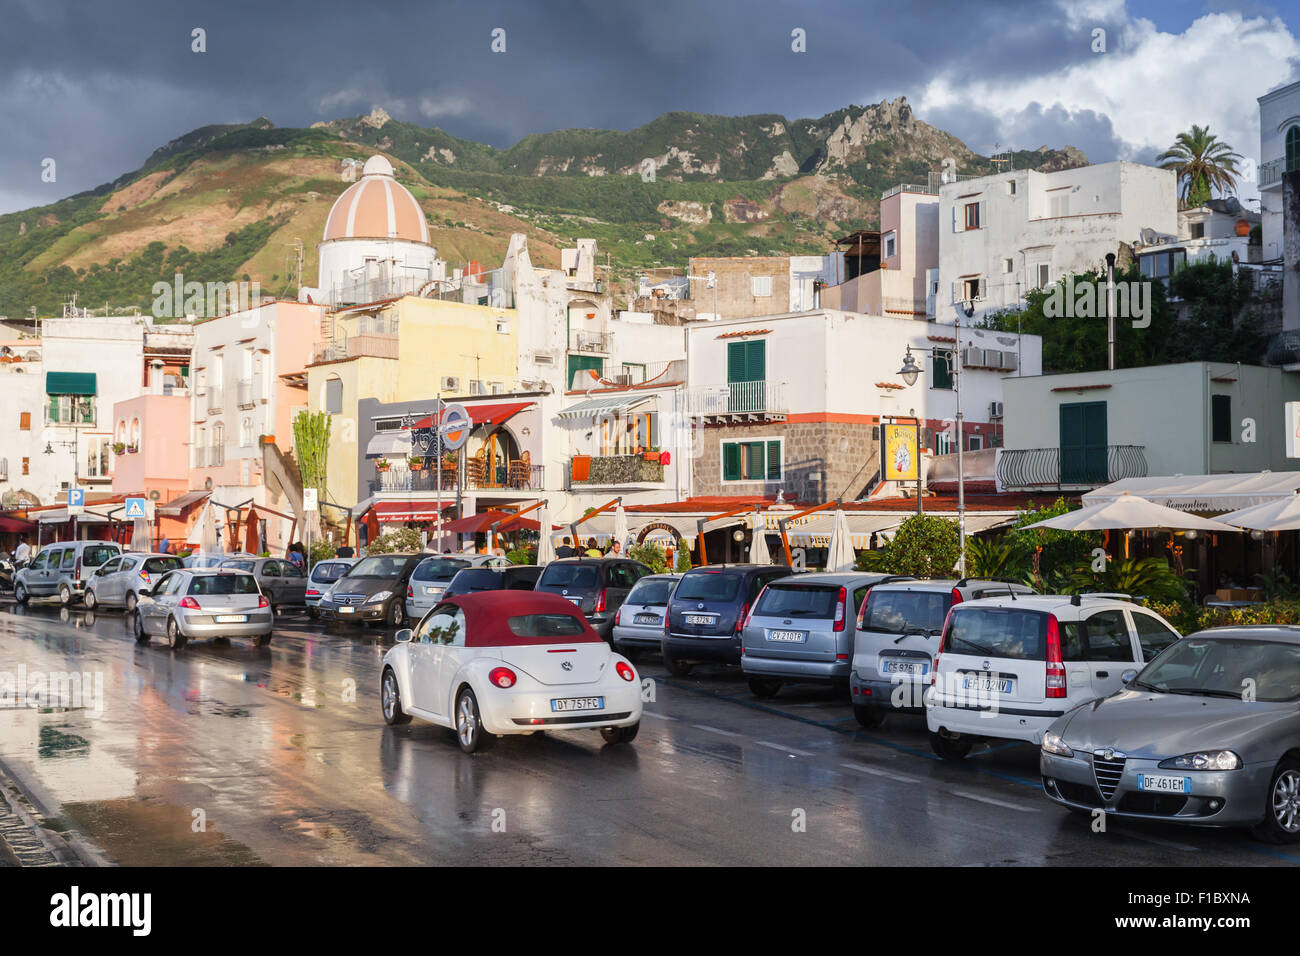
746 361
940 369
736 359
774 460
755 461
1221 418
731 461
756 364
580 363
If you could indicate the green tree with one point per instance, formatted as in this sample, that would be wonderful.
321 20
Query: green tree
1202 163
925 546
651 555
683 559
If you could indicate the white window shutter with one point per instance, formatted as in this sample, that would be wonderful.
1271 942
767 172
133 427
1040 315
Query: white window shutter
984 222
983 288
954 293
955 228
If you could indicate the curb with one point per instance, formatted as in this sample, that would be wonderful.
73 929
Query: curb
26 837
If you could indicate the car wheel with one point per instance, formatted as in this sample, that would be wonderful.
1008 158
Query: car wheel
950 749
264 640
65 595
20 593
131 602
1281 823
91 600
313 613
869 716
469 723
390 699
140 636
620 735
764 687
176 639
675 667
396 613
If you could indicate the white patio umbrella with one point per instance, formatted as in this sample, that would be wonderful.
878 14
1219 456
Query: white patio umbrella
758 553
1280 515
140 535
545 545
208 537
620 525
839 555
1130 511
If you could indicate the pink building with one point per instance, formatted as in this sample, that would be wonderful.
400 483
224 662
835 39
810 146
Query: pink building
904 283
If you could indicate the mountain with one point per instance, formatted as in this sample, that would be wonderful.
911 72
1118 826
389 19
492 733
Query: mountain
235 201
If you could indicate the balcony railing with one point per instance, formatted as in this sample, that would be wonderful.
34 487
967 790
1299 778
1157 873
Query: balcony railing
738 399
614 470
400 479
216 400
246 399
1271 172
1025 468
590 342
371 344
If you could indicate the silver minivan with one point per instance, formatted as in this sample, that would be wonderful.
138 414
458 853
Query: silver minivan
119 582
63 569
802 629
639 623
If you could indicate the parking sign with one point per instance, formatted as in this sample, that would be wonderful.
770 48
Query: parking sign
76 501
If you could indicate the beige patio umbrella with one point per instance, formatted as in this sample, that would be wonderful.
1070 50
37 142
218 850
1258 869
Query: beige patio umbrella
620 526
140 539
839 555
1280 515
758 552
545 544
1130 511
208 536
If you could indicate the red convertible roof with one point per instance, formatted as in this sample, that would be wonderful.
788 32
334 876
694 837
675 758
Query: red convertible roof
487 612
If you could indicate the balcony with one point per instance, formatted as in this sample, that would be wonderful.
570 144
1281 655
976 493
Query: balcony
247 398
216 400
1270 173
1022 469
367 344
595 342
610 471
402 480
737 401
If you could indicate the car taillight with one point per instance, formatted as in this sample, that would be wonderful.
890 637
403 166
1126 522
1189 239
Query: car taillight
600 602
1055 664
262 601
410 591
76 570
840 609
189 602
312 592
956 596
625 671
502 677
750 616
618 616
862 610
144 576
742 617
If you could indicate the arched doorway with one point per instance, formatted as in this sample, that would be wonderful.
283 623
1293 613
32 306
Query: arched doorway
500 449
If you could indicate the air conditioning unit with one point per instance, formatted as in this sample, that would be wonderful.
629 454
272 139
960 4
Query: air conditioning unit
450 383
155 495
995 410
973 358
1010 361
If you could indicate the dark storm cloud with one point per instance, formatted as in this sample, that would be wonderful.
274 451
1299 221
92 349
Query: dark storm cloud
1032 127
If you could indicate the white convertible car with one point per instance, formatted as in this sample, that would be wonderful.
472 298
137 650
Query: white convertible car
509 662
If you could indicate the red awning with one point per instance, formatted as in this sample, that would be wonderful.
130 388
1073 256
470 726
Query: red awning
16 525
490 414
482 522
409 510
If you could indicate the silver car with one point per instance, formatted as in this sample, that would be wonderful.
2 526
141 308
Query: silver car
119 582
204 602
323 574
430 579
62 569
1207 734
639 623
282 581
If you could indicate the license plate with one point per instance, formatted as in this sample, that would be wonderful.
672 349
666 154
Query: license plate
346 610
232 618
906 667
563 704
786 637
1163 783
433 590
576 600
1003 685
705 619
646 619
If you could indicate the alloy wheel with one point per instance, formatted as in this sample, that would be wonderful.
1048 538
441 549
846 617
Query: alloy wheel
1286 801
388 695
466 721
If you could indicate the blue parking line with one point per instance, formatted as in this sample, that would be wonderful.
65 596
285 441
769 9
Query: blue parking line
1257 848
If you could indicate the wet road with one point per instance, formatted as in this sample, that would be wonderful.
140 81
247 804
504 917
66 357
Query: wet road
227 753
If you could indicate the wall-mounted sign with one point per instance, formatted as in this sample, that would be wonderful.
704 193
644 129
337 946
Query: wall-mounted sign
455 427
899 455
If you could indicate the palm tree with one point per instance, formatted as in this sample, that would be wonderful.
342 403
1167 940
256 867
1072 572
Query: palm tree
1201 162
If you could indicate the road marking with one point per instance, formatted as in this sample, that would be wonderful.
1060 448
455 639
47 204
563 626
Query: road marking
783 748
997 803
716 730
902 777
651 713
1130 835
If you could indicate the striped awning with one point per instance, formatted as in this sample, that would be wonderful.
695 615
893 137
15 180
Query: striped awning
596 407
395 442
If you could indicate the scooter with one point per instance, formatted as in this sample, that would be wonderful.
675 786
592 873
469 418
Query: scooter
7 571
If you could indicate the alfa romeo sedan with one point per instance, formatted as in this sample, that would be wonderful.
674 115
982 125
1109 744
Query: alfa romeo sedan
1207 734
509 662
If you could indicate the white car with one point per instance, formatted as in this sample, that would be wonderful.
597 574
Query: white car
1008 667
509 662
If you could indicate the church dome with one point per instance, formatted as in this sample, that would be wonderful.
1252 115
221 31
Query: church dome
377 206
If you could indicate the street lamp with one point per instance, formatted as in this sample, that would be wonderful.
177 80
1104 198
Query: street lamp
910 369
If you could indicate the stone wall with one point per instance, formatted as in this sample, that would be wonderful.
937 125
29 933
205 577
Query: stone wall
821 460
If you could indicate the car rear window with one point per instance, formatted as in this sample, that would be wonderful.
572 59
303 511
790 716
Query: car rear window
1007 633
438 569
651 593
520 579
238 565
161 565
477 579
327 572
569 576
709 586
95 556
545 625
807 601
379 566
223 584
895 612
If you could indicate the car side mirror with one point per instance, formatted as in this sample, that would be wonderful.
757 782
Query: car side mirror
403 636
144 592
1128 677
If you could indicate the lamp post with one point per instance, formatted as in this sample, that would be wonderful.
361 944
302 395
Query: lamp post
909 373
49 450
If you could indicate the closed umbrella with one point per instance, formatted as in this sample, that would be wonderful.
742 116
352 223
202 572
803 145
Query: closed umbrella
1280 515
839 556
545 546
620 525
1130 511
758 553
140 535
208 538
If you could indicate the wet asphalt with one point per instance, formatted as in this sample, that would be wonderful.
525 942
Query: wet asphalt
226 753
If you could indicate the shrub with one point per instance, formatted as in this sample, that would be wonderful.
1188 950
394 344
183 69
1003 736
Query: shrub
998 560
524 555
321 549
924 546
651 555
1147 577
683 556
403 539
1189 618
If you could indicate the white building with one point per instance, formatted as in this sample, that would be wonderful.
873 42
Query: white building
1002 235
1279 152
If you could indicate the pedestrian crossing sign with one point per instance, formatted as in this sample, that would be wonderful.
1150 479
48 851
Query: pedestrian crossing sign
135 508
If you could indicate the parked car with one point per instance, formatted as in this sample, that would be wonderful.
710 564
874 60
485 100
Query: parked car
282 581
63 569
430 580
119 581
596 585
512 577
1207 734
374 589
509 663
323 574
212 559
707 611
639 623
802 628
898 630
1008 667
203 602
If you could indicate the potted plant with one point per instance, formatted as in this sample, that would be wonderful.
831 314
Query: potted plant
382 464
449 460
415 463
119 447
266 440
132 449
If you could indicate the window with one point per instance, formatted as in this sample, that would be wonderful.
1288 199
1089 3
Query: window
746 361
1007 266
751 460
1106 638
943 443
27 464
997 632
1011 187
1044 276
333 396
708 586
893 611
1221 418
1293 149
97 447
1161 265
69 559
971 213
972 289
545 625
1198 230
71 410
1059 205
760 286
941 369
25 421
1083 452
1153 635
224 584
246 432
218 451
891 245
974 442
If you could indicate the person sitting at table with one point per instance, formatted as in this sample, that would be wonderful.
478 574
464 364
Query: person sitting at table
593 549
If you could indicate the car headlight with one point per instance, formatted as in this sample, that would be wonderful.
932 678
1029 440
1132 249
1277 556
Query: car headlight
1055 744
379 596
1203 760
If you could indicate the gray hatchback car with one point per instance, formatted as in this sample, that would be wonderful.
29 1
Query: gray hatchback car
119 582
282 581
639 623
208 602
